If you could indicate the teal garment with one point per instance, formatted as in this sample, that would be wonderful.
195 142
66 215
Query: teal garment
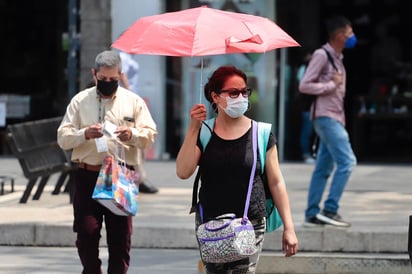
273 220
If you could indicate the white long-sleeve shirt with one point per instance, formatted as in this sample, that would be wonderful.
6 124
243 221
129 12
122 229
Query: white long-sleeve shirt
124 109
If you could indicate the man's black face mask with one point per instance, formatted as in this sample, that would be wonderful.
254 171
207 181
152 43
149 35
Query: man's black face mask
107 88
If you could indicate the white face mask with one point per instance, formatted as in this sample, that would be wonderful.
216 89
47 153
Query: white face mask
236 107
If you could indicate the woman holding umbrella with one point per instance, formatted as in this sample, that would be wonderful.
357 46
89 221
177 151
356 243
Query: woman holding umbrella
226 164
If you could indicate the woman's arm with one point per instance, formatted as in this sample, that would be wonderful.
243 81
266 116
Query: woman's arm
279 193
189 153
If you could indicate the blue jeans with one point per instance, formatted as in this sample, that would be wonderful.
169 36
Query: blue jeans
306 131
334 151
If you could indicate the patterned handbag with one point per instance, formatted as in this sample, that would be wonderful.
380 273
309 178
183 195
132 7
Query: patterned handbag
115 186
227 238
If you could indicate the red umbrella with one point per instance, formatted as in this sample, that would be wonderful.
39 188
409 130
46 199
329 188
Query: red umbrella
202 31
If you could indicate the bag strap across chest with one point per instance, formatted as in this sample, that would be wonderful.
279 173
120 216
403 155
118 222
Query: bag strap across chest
261 132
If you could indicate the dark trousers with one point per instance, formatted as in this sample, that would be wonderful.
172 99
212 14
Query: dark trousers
88 219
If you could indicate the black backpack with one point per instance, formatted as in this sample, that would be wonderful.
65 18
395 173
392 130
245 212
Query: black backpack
314 98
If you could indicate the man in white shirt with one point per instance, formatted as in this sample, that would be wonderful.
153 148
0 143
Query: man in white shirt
81 132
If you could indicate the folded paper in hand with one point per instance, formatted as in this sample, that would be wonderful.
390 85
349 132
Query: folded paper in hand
109 128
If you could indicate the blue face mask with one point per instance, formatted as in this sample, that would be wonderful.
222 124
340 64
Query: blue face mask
351 42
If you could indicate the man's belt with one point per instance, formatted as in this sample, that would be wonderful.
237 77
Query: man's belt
96 168
90 167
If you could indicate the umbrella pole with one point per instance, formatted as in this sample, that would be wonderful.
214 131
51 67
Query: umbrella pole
201 80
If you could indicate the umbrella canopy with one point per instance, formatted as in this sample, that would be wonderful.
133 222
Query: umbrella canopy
202 31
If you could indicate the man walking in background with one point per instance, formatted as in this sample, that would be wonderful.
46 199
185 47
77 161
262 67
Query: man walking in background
129 80
325 77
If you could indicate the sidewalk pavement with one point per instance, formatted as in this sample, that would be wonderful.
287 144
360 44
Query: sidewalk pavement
377 202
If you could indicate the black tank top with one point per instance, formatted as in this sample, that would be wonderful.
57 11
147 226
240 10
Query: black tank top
225 172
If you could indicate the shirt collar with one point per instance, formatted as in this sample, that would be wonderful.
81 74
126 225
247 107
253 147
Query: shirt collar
329 48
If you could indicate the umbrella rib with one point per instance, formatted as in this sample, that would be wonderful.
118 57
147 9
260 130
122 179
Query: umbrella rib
250 31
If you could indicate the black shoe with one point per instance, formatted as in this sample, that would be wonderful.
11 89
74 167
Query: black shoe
313 222
332 219
147 188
